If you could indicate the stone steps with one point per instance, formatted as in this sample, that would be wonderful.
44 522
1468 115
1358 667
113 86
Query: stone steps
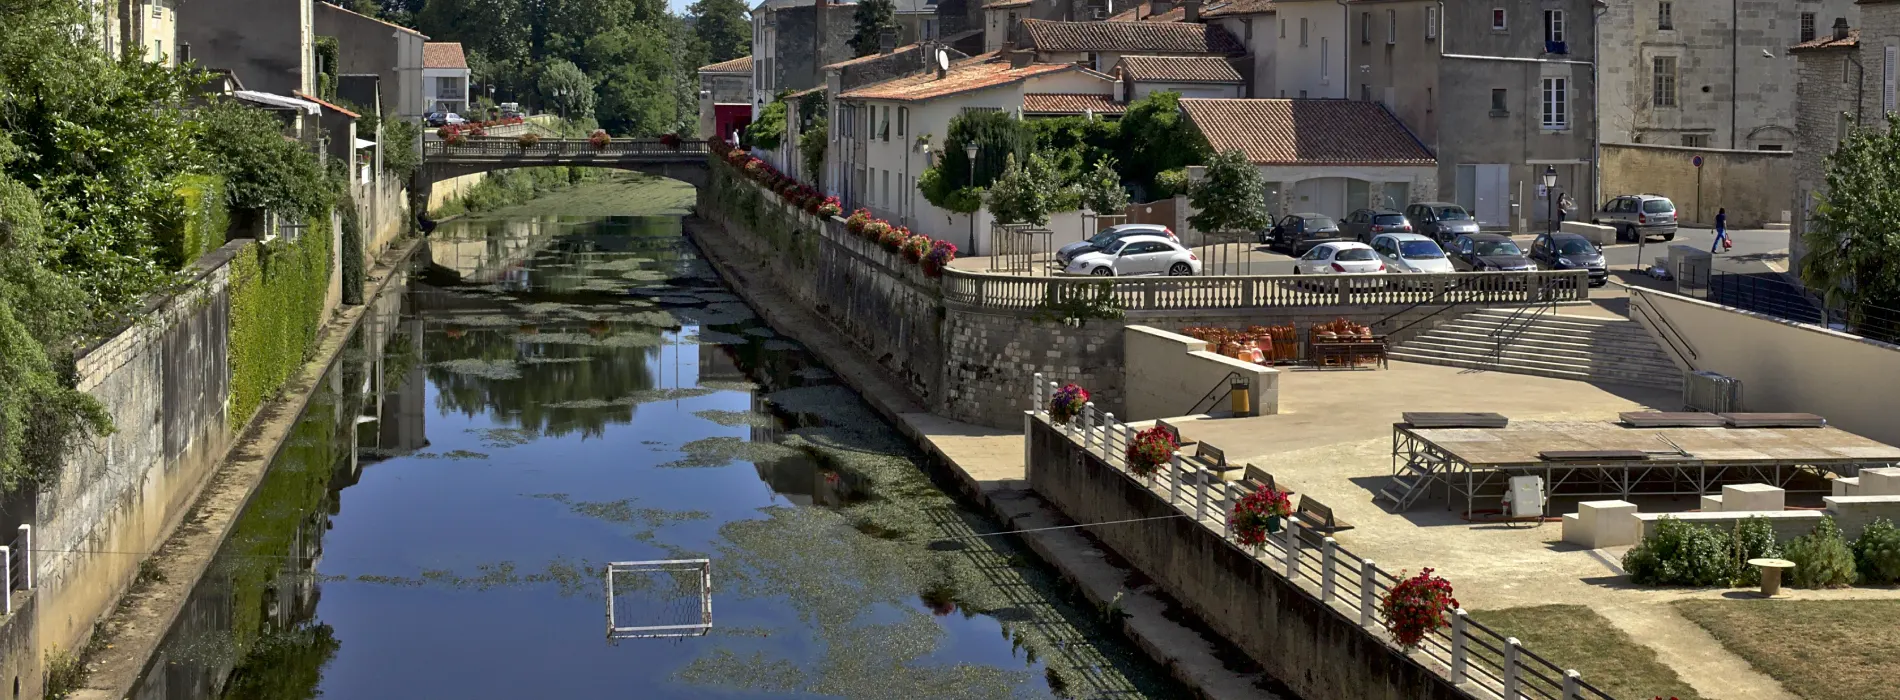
1581 348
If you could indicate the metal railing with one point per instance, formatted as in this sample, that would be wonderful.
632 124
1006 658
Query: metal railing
1267 291
494 147
1464 652
16 566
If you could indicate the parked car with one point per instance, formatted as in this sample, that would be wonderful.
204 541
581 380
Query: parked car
1298 233
1569 251
1137 255
1639 215
1099 241
1363 224
1339 258
511 109
1442 221
1488 251
1410 252
443 118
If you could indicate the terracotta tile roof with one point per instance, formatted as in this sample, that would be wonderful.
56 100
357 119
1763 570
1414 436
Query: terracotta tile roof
1179 69
1003 4
443 54
1144 12
1306 132
327 105
1239 7
742 64
907 48
1044 103
975 73
1141 37
1823 43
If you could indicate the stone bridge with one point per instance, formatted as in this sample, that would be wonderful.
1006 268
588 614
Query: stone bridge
685 161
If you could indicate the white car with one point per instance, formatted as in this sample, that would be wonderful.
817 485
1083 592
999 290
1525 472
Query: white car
1343 258
1410 252
1137 255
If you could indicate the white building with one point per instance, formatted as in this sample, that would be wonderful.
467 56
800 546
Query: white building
895 125
150 25
1191 76
1255 23
1324 156
445 78
1309 57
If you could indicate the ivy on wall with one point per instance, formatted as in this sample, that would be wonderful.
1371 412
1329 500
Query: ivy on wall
202 223
277 294
352 262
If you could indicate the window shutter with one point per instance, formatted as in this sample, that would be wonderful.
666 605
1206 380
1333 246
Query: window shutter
1887 79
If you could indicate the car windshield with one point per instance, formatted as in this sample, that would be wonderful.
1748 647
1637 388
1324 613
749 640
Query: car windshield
1103 239
1452 214
1116 247
1389 220
1575 246
1658 206
1420 250
1496 248
1319 223
1355 255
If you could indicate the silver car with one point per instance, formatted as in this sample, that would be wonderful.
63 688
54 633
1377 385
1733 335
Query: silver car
1068 253
1639 215
1442 221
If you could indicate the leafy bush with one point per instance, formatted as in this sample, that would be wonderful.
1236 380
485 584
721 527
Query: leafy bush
1754 538
262 170
811 147
1878 552
1821 558
202 222
768 132
1170 183
1680 554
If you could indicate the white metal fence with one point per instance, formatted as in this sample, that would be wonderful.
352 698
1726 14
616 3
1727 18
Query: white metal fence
1002 291
1483 662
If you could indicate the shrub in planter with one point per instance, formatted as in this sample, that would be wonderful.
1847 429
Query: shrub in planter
830 207
528 140
1878 552
875 230
893 240
599 139
1680 554
457 139
670 141
477 130
857 221
1258 514
939 257
1415 606
445 132
1150 449
1067 403
1821 558
915 247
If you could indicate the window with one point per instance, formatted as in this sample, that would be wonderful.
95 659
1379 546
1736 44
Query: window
885 131
1431 21
1807 26
1246 29
1326 66
1365 27
1283 29
1556 103
1302 94
1302 31
1842 124
1553 26
1663 84
1695 140
1497 19
1768 147
1665 15
930 28
1365 92
903 115
1498 102
1886 71
1391 27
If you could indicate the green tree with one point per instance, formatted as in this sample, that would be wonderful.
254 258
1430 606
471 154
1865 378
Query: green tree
1102 189
262 170
811 147
1025 194
723 28
873 18
637 75
567 90
497 29
1852 246
1230 196
1156 137
768 131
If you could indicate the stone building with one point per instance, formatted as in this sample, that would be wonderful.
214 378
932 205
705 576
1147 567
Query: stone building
366 45
725 97
149 25
1317 155
1707 74
1512 86
267 44
792 42
1845 79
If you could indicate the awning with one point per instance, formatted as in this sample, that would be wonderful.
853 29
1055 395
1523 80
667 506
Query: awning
265 98
362 144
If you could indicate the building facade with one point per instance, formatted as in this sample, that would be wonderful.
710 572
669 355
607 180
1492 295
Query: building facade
1322 156
725 97
445 76
792 41
1255 23
1708 74
267 44
366 45
148 26
1847 78
1309 59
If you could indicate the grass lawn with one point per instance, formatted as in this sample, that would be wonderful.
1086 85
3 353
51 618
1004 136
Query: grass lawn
1818 649
1576 637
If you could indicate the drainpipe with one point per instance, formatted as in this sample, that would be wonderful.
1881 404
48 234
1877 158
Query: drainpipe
1345 47
1596 98
1734 56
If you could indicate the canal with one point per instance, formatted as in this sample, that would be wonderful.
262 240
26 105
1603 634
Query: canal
540 395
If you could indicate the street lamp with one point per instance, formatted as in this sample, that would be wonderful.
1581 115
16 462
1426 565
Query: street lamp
1550 195
969 153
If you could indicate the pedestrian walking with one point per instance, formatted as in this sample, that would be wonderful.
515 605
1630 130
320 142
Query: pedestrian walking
1722 242
1566 207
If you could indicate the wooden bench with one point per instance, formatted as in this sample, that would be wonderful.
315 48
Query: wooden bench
1258 479
1173 432
1317 517
1211 459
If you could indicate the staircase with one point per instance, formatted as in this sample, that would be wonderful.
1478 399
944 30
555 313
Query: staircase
1610 351
1410 482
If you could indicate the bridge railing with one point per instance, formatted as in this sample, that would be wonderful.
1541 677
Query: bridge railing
494 147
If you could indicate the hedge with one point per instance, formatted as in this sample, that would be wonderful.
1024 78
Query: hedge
204 223
277 294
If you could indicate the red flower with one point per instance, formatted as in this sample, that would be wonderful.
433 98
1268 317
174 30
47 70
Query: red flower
1150 449
1416 606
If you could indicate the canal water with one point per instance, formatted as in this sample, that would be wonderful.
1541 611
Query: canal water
540 396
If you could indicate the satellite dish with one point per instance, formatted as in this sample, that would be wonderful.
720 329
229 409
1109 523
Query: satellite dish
943 59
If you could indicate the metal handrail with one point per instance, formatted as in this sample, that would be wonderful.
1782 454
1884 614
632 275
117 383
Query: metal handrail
1642 305
1515 325
1211 394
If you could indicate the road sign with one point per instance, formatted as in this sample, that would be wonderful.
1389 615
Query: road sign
1697 161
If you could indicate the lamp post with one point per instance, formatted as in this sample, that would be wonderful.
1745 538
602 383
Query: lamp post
969 153
1550 195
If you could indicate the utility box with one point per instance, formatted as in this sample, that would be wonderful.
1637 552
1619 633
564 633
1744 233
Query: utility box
1525 497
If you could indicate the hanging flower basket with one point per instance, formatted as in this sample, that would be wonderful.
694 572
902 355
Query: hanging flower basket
527 140
830 207
876 229
915 247
893 239
1067 403
671 141
600 139
1416 606
939 257
1258 514
856 222
1150 449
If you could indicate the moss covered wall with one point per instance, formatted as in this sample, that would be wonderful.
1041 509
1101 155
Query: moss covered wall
280 295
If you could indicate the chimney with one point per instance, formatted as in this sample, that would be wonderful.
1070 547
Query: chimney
886 40
1121 90
1159 7
1840 28
1192 10
1019 59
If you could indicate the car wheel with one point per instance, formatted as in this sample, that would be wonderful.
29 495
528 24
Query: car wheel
1669 236
1180 269
1103 271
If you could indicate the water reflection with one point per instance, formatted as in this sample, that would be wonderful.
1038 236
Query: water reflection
543 396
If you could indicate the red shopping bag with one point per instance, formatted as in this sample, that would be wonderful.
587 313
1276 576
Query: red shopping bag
1726 243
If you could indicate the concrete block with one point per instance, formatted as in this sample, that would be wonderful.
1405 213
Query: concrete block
1788 524
1600 235
1599 524
1854 513
1847 486
1881 481
1711 504
1753 497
